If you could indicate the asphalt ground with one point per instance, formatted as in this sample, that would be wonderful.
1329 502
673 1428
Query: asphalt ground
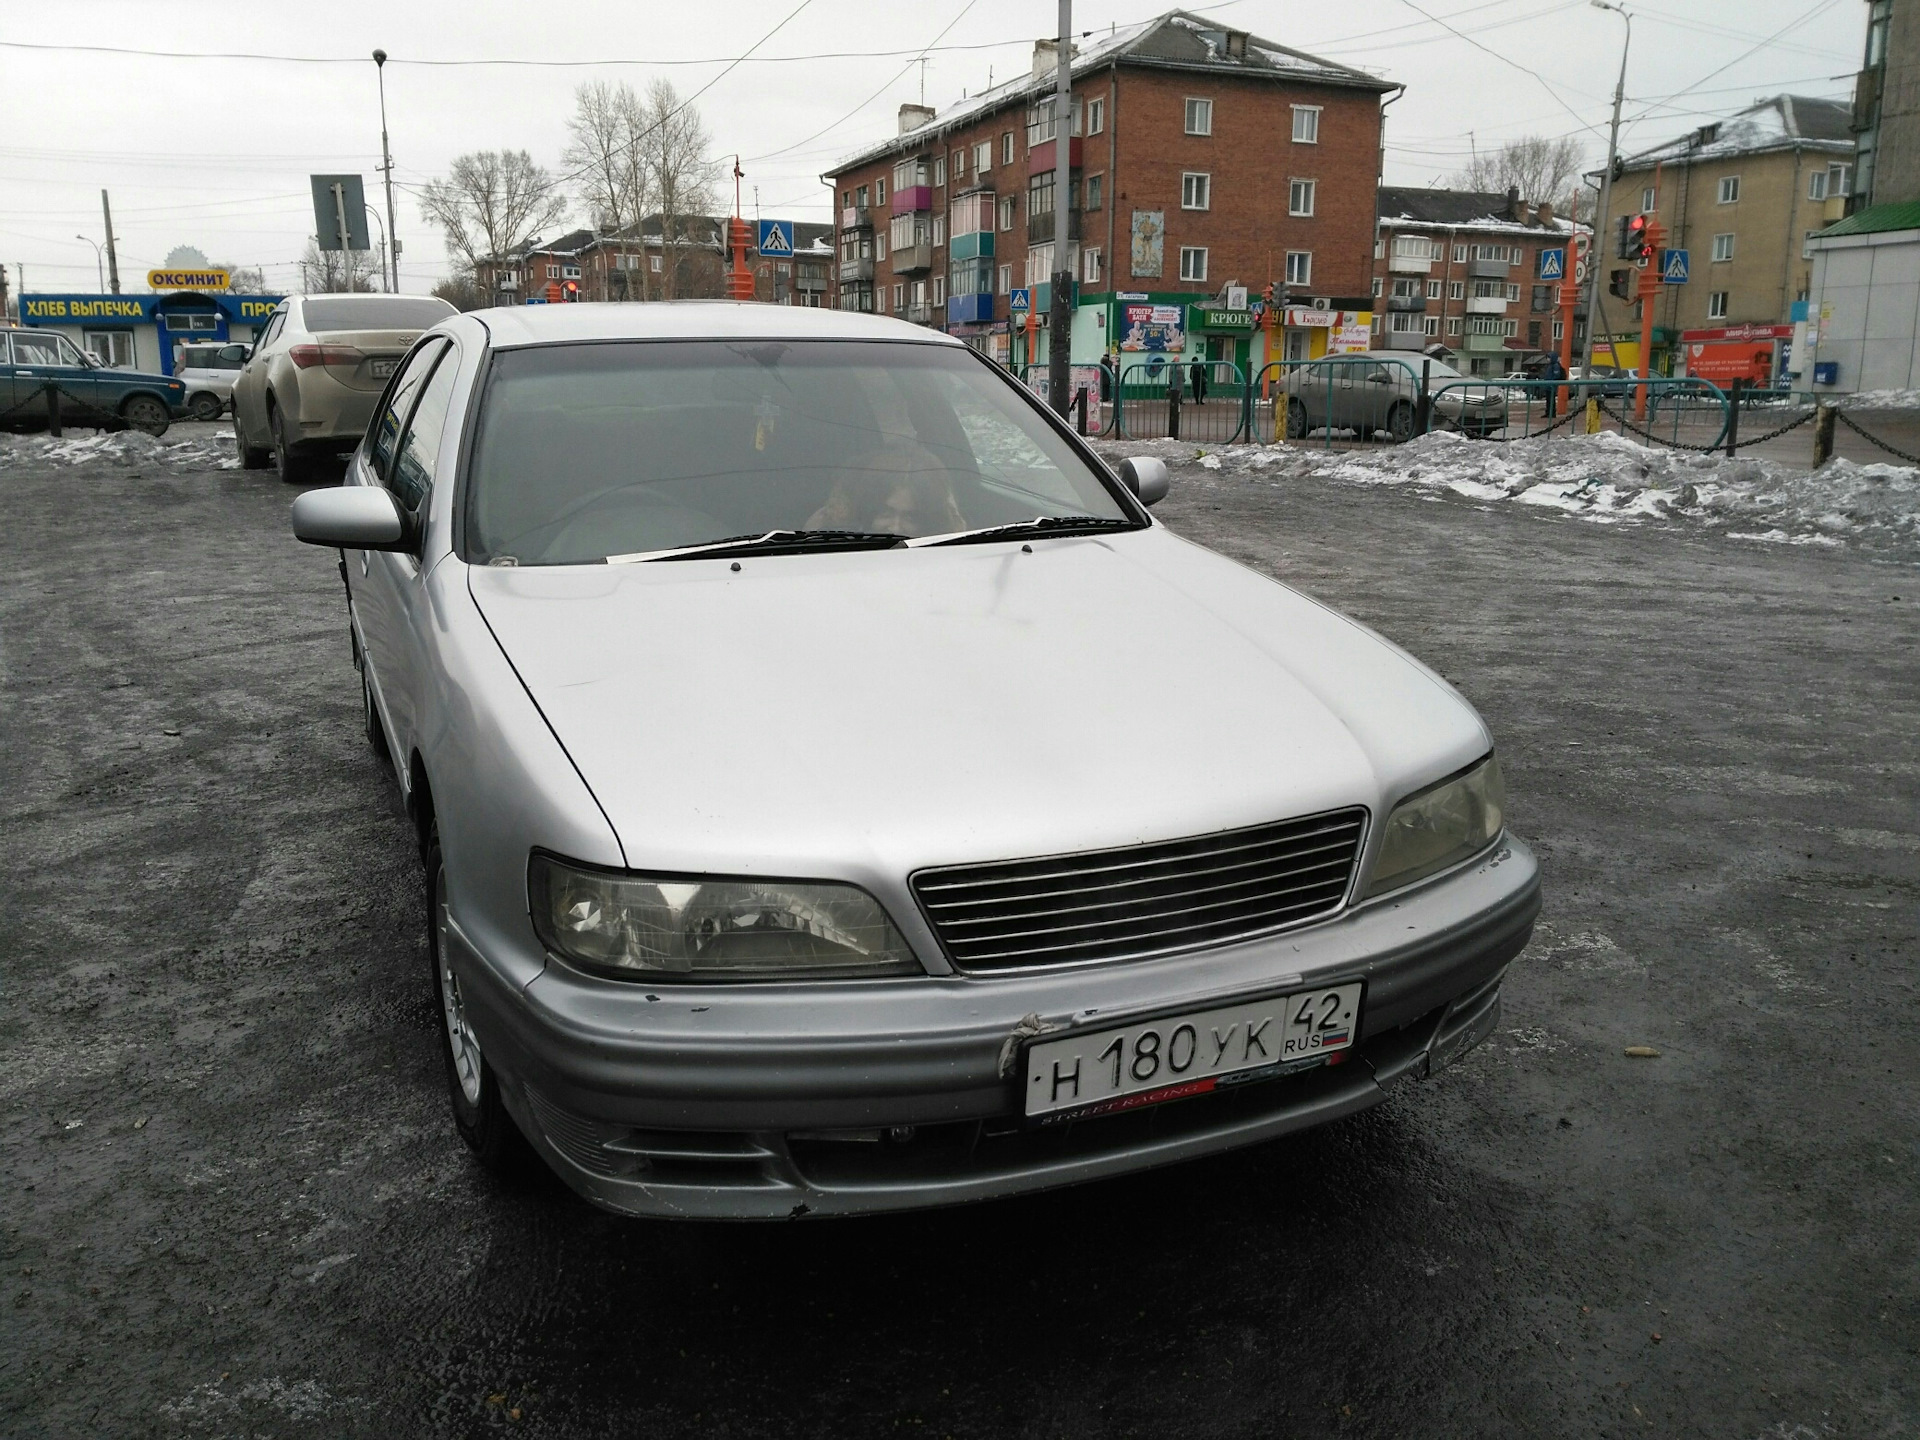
235 1206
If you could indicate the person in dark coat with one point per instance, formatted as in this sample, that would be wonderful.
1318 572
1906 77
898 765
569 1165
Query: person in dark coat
1106 379
1198 375
1556 373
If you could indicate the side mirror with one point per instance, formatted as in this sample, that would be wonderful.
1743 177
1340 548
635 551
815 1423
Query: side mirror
352 517
1146 477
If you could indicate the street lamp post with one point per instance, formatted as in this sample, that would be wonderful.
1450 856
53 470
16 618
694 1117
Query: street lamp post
386 171
1601 216
99 270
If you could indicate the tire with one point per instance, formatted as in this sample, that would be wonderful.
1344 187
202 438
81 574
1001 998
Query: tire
376 733
1296 426
143 412
292 467
478 1112
252 457
1400 422
205 406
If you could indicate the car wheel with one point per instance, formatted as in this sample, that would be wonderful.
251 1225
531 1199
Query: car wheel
376 733
252 457
478 1112
1400 421
143 412
205 406
291 465
1296 419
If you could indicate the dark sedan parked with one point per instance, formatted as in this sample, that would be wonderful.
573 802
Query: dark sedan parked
90 394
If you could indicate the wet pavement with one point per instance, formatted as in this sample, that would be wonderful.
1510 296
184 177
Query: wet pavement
235 1206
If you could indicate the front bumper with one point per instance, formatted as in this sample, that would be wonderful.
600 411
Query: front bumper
766 1102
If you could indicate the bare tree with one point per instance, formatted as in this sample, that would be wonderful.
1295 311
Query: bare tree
491 204
673 146
333 271
1538 166
245 279
462 291
606 145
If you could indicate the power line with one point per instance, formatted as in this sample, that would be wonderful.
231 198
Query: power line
1525 70
1812 14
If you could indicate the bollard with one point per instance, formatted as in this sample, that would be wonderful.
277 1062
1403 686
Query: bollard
1423 405
1173 405
53 409
1823 435
1593 414
1080 409
1733 415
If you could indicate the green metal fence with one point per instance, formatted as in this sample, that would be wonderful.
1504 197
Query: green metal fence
1359 397
1204 401
1684 413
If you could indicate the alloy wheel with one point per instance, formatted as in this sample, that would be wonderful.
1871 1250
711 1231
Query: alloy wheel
460 1038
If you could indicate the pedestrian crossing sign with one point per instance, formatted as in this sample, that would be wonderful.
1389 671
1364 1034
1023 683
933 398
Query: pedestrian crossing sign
1553 264
1673 267
776 238
1020 300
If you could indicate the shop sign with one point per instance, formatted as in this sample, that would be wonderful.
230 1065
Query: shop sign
1738 334
1751 361
1152 327
84 307
188 279
1350 337
1210 317
1306 315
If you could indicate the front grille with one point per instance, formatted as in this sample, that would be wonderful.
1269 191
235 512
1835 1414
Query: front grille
1142 899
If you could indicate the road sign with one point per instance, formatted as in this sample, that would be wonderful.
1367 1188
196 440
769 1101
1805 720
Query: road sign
339 202
1020 300
536 299
1673 267
776 238
1553 264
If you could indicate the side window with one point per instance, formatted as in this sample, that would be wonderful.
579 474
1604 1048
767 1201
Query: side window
274 327
413 465
383 435
35 349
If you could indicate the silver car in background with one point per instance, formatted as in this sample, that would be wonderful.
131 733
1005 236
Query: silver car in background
837 794
310 384
1369 395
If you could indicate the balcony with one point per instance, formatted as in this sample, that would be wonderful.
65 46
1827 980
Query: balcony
1487 269
975 246
810 277
1408 265
1486 305
909 258
1041 156
1484 343
860 270
1415 303
1404 340
856 217
921 314
914 197
969 309
1040 227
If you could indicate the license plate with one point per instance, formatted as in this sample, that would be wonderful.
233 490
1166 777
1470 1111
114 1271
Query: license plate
1172 1057
383 368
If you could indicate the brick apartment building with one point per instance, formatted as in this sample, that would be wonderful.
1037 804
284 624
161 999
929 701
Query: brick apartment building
641 264
1461 269
1206 164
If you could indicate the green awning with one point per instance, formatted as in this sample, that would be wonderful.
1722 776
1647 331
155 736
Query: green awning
1904 215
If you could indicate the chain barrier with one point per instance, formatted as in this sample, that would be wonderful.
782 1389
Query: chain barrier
1873 440
1746 440
1501 438
77 416
1626 424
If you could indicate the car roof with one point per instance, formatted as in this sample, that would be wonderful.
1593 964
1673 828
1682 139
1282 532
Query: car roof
511 325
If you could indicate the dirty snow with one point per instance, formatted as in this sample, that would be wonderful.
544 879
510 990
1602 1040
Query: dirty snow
1604 479
183 447
1879 400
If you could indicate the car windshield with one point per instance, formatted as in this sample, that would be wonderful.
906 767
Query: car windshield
591 451
373 312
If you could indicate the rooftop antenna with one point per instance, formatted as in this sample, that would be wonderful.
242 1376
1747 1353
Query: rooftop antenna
923 81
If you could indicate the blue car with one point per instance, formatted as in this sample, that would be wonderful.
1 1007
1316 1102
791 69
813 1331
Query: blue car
90 394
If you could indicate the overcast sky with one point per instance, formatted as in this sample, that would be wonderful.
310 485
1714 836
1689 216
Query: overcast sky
215 153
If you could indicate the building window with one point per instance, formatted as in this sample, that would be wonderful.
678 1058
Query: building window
940 171
1433 289
1646 198
1729 189
1453 325
939 289
1006 279
1096 191
1039 264
1533 334
1306 124
1456 290
1376 287
939 229
1379 246
959 165
653 263
1433 324
880 191
1459 254
1540 298
1513 292
1199 117
846 199
1096 116
1195 191
1009 204
899 296
1193 262
1716 304
880 245
861 197
1559 330
1091 270
1006 148
1723 246
1299 267
1510 328
569 272
983 157
1300 197
553 272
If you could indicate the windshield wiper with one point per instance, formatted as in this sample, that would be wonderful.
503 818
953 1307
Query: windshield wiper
1039 525
790 540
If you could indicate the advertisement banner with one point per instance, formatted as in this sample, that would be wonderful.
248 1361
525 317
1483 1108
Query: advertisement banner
1726 362
1152 327
1149 241
1348 338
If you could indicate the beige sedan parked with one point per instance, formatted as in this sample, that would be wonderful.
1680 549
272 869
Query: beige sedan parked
310 385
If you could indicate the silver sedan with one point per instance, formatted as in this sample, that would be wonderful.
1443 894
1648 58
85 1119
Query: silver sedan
837 793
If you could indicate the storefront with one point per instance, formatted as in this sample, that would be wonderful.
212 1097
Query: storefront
1753 353
145 332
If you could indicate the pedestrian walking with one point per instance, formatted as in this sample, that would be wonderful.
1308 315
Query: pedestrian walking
1556 373
1198 376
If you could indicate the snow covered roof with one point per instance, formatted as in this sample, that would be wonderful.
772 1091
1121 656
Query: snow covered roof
1782 122
1176 40
1403 208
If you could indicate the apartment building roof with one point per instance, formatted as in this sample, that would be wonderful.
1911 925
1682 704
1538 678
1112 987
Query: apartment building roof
1781 122
1403 208
1176 40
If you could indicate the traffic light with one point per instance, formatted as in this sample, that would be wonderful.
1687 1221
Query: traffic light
1621 239
1637 238
571 291
1620 282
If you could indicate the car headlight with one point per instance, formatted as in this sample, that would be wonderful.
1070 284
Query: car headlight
686 927
1442 825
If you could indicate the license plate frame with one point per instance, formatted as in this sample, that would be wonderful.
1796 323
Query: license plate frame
382 369
1275 1004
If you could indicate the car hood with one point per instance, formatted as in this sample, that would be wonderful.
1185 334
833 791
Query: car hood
874 712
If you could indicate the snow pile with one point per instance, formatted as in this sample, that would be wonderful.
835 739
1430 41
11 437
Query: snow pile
183 447
1881 400
1606 479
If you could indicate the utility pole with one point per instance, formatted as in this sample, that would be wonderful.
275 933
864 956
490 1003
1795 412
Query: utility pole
386 169
1060 320
1603 216
113 260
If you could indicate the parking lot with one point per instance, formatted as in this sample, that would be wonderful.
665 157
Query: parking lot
235 1204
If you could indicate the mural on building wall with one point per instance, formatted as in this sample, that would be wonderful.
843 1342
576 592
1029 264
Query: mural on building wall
1149 242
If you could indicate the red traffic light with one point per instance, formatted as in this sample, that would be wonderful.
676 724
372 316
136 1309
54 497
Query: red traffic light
572 289
1639 246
